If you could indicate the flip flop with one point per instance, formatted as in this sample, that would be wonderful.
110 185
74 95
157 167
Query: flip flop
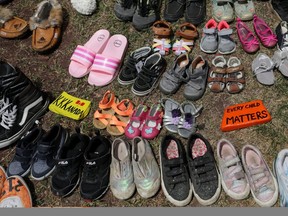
106 65
83 56
10 25
105 111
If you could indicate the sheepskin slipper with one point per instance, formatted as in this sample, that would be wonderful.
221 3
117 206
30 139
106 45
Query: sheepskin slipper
85 7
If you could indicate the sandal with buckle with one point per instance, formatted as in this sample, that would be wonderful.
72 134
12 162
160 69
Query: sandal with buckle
235 78
105 111
162 33
172 114
123 111
186 34
217 74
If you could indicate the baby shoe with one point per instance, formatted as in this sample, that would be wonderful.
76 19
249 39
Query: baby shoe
226 45
244 9
162 33
209 40
222 10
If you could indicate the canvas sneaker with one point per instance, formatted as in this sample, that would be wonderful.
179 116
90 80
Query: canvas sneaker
7 75
15 193
125 9
281 172
203 170
175 181
174 10
133 65
24 153
282 36
47 149
96 171
234 179
121 172
149 75
145 168
263 184
68 167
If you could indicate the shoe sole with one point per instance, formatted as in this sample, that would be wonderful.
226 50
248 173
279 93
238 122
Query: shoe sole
45 176
86 198
127 195
206 51
125 82
229 52
26 127
172 200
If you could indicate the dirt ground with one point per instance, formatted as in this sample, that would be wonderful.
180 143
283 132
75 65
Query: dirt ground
50 73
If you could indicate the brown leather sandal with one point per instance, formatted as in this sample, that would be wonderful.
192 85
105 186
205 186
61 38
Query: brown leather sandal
10 25
217 74
187 33
46 25
235 78
162 33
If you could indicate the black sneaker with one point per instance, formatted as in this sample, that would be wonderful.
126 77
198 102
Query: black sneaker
7 75
146 14
69 161
19 111
133 65
195 11
282 35
149 75
125 9
175 180
281 8
203 170
96 172
47 149
174 10
24 153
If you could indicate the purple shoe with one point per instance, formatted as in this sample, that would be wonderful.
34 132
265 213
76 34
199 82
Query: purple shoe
248 40
264 32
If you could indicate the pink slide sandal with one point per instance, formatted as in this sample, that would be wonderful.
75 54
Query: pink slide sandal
106 64
83 56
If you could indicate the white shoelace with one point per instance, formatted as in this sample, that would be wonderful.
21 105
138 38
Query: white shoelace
8 117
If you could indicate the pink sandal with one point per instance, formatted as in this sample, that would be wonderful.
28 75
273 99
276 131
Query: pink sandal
248 40
264 32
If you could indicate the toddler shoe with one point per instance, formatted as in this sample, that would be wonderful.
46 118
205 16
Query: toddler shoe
174 10
235 77
226 45
172 114
195 11
209 40
222 10
244 9
280 58
282 35
85 7
162 33
217 74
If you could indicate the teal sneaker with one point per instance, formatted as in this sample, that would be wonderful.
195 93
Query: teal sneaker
222 10
244 9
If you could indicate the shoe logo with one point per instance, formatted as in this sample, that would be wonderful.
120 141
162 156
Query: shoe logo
117 43
63 162
27 109
101 37
79 103
13 185
91 163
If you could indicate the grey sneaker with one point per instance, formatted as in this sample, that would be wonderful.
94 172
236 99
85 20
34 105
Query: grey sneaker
226 45
198 73
146 14
172 79
145 168
209 40
125 9
121 172
280 58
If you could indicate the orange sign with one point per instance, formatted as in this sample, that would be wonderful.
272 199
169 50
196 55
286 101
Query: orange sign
244 115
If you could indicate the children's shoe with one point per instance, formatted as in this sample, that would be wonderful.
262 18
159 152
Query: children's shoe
174 10
136 121
133 65
149 75
195 11
248 40
282 35
145 168
280 59
244 9
217 74
234 179
175 181
226 44
125 9
222 10
203 170
15 193
86 7
178 73
152 125
264 32
209 40
3 177
235 77
281 172
162 33
121 172
263 184
172 114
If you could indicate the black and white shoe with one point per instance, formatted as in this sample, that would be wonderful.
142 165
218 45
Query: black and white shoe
282 35
203 170
96 172
149 75
7 75
47 149
69 165
175 181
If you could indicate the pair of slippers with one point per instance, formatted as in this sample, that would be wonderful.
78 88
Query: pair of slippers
45 25
101 56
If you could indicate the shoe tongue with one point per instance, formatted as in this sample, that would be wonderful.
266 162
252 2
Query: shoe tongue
229 157
284 29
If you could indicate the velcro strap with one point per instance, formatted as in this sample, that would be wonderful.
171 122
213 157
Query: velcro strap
234 69
187 31
173 162
172 78
108 65
235 79
216 79
225 32
209 30
83 56
162 28
218 70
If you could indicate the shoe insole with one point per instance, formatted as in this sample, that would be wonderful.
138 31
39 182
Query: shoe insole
199 148
244 34
285 165
122 151
172 150
252 159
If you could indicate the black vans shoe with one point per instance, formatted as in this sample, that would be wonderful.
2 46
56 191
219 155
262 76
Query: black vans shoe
7 75
96 172
69 165
281 9
125 9
195 11
174 10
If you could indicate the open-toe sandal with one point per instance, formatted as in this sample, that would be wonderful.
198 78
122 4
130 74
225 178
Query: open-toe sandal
235 78
186 35
162 33
106 111
123 111
172 114
217 74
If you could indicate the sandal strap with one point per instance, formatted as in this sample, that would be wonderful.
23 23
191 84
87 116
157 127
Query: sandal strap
219 70
162 28
188 31
119 124
102 117
216 79
181 46
111 100
234 69
83 55
124 110
108 65
162 45
235 79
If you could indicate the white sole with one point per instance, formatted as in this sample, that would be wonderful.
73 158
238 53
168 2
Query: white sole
209 52
125 196
45 176
125 82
